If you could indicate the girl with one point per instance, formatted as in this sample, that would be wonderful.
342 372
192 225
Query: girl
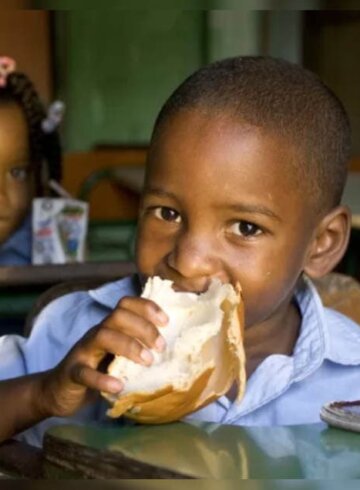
30 155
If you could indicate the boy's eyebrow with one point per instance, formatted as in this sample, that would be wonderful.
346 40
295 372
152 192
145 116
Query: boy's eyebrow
254 208
159 192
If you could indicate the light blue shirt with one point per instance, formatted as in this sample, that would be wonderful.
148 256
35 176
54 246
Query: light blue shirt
283 390
17 248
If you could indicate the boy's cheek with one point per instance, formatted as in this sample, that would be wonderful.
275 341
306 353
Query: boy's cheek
147 251
260 303
265 291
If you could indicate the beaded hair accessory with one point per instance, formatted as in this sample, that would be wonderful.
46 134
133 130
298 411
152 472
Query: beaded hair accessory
7 66
54 117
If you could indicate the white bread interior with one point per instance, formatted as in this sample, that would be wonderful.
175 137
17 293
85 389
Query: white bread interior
204 355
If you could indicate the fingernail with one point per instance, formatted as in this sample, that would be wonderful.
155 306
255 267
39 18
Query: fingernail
146 356
115 385
160 344
162 318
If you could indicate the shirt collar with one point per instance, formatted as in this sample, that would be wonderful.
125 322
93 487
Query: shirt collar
333 336
312 345
108 295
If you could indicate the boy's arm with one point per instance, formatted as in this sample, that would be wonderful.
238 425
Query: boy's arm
21 404
129 331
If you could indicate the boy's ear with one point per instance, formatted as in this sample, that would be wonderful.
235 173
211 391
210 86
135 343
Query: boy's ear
329 243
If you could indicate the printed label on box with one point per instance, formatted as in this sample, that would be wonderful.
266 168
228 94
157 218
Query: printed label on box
59 229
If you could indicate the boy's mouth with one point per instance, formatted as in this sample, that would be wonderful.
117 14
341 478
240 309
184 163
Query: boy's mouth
180 289
198 287
191 288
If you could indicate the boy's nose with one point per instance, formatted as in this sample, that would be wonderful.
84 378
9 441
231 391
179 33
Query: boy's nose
193 257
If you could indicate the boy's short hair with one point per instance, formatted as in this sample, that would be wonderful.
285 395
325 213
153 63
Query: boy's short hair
280 98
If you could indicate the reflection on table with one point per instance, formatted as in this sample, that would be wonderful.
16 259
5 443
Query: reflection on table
201 450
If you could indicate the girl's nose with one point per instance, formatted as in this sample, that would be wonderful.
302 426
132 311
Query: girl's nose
193 257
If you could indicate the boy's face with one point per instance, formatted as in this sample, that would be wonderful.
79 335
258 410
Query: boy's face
16 181
220 201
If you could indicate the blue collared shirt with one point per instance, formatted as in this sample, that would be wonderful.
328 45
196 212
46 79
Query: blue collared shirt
17 248
283 390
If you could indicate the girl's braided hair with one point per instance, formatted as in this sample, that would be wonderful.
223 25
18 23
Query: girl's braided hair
44 147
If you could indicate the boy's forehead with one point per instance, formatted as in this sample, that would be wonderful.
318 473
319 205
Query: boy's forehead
218 142
216 162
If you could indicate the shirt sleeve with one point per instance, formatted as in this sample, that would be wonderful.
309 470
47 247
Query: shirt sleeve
58 327
12 357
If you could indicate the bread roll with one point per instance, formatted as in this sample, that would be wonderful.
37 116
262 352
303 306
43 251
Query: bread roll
204 355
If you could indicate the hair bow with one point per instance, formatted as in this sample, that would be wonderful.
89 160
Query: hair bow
7 66
54 116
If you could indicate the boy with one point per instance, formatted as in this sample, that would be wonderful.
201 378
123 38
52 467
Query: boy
244 179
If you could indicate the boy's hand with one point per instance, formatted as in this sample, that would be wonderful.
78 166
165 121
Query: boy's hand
129 331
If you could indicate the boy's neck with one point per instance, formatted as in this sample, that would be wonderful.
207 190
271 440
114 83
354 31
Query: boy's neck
276 336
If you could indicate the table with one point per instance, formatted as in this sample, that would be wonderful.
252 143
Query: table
31 275
196 450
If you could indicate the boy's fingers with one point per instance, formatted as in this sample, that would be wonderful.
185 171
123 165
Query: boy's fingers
133 325
108 340
144 308
86 376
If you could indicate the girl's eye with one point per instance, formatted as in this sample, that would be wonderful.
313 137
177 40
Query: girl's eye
19 173
167 214
245 229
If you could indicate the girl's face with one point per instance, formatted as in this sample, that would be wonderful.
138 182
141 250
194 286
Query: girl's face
16 176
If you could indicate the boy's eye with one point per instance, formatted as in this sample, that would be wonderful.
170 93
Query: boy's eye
245 229
20 173
167 214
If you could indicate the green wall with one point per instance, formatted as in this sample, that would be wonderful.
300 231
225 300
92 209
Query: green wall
115 69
